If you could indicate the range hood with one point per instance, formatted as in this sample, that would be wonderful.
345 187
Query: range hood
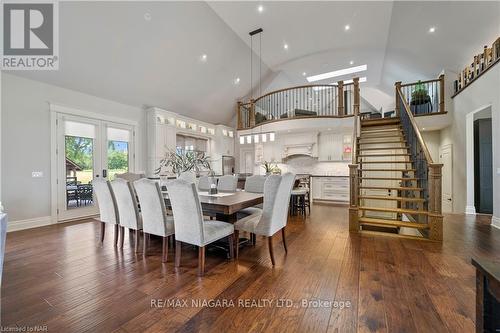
302 149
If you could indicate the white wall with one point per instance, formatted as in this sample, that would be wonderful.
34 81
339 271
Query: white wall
481 93
432 140
25 132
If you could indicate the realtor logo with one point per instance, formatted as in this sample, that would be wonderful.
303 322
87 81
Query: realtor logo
30 35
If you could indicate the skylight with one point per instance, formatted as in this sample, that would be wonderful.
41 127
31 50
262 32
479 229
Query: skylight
340 72
361 79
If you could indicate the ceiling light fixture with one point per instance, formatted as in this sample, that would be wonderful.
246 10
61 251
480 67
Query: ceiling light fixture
432 29
237 80
339 72
204 57
351 62
285 46
147 16
260 8
347 27
304 73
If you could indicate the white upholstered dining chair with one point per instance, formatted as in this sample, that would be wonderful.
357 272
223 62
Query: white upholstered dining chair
154 214
255 184
130 176
189 224
227 183
204 183
107 206
273 218
188 176
128 209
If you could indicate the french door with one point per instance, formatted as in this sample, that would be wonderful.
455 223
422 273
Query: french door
88 148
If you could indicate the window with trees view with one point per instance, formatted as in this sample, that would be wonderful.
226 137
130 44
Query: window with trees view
117 158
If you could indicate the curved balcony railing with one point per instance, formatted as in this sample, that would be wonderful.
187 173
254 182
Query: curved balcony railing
299 102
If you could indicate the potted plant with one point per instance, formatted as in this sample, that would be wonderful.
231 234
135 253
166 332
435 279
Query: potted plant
182 161
420 100
269 167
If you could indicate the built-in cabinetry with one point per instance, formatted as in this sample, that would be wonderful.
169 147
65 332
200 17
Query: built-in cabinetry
164 128
334 147
329 188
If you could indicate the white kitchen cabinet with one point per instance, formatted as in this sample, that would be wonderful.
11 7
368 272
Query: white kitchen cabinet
335 189
331 147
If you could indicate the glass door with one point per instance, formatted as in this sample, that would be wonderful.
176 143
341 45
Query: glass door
86 149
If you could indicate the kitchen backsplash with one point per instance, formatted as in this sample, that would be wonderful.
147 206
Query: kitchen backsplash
305 164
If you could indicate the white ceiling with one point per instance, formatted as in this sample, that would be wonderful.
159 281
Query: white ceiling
110 50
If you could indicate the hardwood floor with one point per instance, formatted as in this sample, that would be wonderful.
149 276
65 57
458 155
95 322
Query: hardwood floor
59 276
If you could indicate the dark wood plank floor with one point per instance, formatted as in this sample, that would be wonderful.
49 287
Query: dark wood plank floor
61 278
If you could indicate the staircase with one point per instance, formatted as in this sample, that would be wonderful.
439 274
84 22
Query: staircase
395 186
385 173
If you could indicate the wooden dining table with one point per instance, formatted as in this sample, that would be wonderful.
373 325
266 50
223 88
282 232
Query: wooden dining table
225 206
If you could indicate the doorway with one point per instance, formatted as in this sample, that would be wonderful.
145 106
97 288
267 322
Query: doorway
88 148
446 158
483 166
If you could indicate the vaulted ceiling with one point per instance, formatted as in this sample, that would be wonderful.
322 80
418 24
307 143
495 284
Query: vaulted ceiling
150 53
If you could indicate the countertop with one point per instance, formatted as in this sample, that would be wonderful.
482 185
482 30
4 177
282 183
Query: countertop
340 176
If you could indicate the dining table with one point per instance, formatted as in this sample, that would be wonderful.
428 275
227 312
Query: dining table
225 205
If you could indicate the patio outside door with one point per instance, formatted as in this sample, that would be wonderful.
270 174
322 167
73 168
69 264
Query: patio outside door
86 149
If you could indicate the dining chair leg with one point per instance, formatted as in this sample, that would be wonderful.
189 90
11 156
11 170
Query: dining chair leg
165 249
122 229
271 250
177 253
254 239
284 239
201 260
236 243
103 228
231 246
145 244
136 241
115 240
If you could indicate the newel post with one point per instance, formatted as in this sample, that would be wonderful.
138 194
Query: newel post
356 99
353 198
252 112
238 115
435 219
397 89
441 93
340 98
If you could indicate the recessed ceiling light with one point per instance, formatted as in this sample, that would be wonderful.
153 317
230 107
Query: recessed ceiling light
340 72
304 73
260 8
432 29
351 62
347 27
237 80
147 16
204 57
285 46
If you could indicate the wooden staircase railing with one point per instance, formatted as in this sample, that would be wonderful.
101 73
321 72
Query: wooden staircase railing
326 100
427 172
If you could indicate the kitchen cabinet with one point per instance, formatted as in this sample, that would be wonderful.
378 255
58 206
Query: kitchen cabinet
334 189
271 152
332 147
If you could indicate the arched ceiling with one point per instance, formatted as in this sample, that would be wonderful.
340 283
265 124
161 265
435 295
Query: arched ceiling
113 50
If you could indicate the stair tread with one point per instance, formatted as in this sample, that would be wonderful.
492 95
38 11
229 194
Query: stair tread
389 178
388 162
382 155
379 142
394 210
384 148
396 223
396 188
388 170
375 135
388 197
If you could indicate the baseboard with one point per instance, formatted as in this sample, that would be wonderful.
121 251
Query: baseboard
29 223
470 210
495 221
